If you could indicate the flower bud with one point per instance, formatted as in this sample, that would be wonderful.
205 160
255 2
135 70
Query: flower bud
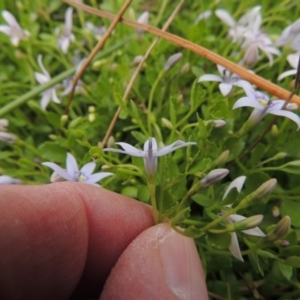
92 117
219 123
263 191
185 68
55 177
214 176
280 230
222 158
64 119
111 141
143 19
284 243
137 60
91 109
3 124
173 59
251 55
247 223
52 137
167 123
274 130
7 137
275 211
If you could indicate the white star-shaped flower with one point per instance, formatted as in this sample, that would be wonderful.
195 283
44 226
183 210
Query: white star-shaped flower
226 80
234 247
263 105
72 172
13 29
43 78
65 34
150 152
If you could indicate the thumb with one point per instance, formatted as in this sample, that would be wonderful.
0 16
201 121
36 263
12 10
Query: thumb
158 264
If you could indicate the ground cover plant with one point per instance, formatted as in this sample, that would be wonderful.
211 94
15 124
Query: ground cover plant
215 155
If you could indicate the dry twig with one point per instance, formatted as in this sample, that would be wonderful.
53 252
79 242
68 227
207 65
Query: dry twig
260 82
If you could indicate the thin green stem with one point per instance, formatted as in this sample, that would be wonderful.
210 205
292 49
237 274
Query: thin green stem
152 189
151 97
39 89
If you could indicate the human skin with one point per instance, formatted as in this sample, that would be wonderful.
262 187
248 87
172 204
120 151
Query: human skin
71 240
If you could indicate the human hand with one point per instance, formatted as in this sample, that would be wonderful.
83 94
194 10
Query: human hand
74 239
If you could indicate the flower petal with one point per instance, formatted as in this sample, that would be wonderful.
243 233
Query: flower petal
4 179
224 16
293 59
154 144
286 74
287 114
71 165
5 29
176 145
130 150
210 77
46 98
45 72
64 43
41 78
97 177
69 19
254 231
225 88
10 19
236 218
247 102
234 247
236 183
60 171
88 168
54 96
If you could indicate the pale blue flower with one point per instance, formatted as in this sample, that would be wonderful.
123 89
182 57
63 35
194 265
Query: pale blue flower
234 247
293 61
72 172
226 80
13 29
4 179
263 105
43 78
150 152
65 34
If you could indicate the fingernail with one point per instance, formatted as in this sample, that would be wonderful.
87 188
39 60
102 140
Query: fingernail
182 267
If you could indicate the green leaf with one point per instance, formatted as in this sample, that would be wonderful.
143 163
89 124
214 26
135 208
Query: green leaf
219 241
140 137
53 119
52 152
291 209
143 193
293 261
290 251
285 270
130 191
203 200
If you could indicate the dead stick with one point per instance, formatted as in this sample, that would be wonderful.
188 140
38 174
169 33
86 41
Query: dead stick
215 58
137 71
116 20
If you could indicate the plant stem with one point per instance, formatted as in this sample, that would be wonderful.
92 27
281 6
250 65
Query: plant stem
152 188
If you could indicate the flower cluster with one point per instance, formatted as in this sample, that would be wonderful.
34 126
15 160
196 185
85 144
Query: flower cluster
248 33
